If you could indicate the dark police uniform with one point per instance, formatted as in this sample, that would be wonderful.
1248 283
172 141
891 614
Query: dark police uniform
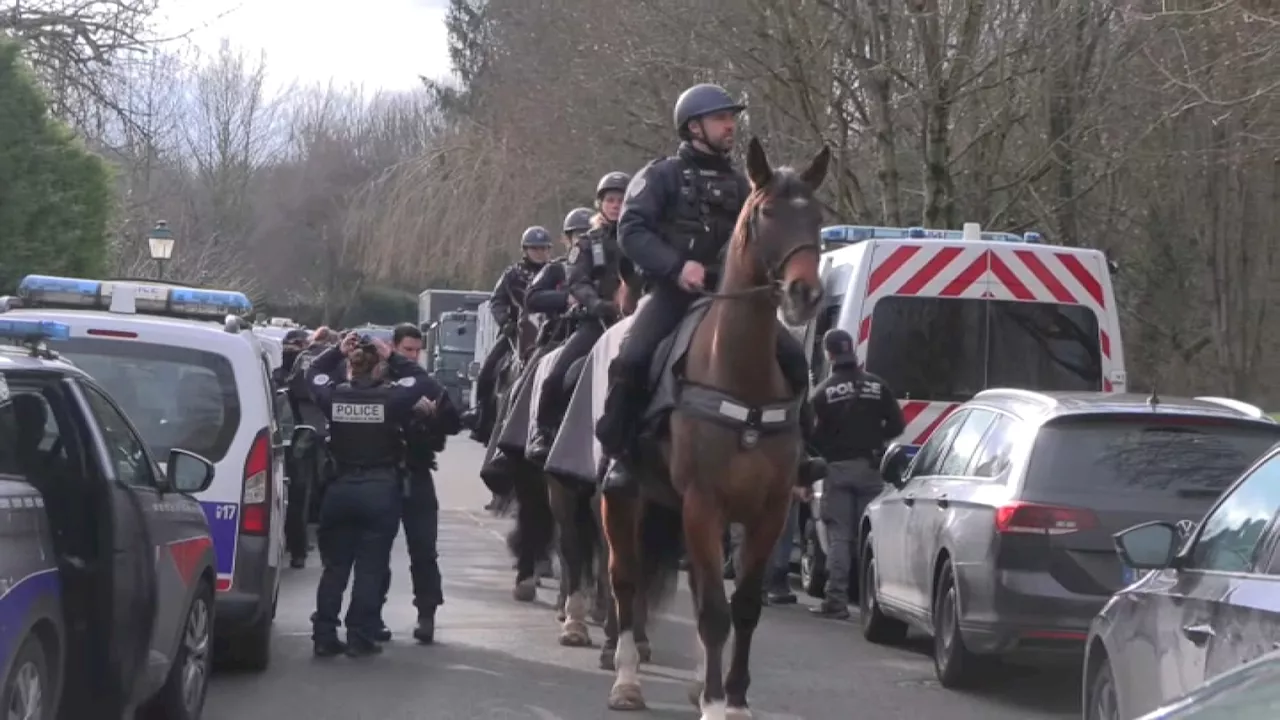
504 304
361 509
856 414
677 209
302 471
547 295
424 437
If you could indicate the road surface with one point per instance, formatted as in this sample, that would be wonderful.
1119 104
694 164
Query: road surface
498 659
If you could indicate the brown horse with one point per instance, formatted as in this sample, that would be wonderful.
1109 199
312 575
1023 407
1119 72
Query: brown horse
724 473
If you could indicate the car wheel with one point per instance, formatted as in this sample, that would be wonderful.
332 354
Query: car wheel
813 565
877 627
28 691
183 693
1102 702
953 663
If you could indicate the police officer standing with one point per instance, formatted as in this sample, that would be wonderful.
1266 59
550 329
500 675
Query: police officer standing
505 304
360 513
596 268
425 435
677 219
856 415
305 484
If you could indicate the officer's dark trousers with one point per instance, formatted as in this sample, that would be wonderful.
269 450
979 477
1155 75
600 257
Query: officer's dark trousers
358 523
420 514
850 487
553 394
304 473
488 373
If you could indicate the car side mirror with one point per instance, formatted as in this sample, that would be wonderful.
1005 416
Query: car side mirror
1149 546
302 440
187 472
894 464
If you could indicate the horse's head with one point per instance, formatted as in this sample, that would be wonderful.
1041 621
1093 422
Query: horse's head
784 223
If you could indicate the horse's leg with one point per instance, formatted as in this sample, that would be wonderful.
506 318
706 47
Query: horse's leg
703 532
603 598
622 517
535 528
755 558
566 504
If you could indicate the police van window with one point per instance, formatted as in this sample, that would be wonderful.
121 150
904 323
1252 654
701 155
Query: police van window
992 456
456 335
1044 346
124 448
929 348
930 456
177 397
966 443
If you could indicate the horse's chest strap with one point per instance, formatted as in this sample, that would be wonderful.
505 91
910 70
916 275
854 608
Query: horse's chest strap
708 403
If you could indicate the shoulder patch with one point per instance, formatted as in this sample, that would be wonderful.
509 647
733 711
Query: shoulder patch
637 186
574 253
407 382
320 379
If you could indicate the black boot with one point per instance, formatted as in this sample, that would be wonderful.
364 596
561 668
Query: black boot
328 646
616 427
471 418
540 445
425 632
359 645
619 480
812 469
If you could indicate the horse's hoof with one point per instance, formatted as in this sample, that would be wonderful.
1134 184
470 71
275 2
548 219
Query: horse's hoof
575 638
606 660
737 713
645 653
626 697
525 590
695 694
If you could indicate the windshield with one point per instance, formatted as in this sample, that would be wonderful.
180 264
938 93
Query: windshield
949 349
177 397
457 335
1180 455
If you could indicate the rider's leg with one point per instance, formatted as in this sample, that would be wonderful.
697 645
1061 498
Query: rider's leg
795 366
628 378
482 417
551 397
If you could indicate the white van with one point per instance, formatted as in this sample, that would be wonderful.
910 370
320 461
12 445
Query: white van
190 373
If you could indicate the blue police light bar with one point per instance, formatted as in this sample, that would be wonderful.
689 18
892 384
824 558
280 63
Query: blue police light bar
30 330
48 291
853 234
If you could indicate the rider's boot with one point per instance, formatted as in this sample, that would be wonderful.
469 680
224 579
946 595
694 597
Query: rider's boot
540 444
616 430
483 422
619 481
471 418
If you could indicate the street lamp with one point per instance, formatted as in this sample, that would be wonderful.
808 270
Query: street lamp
160 242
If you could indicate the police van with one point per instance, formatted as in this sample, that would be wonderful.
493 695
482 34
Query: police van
185 365
106 561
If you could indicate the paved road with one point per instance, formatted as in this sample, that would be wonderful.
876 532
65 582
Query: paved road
499 659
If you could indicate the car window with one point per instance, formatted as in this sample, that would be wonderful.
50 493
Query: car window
966 442
930 456
177 397
993 453
32 443
124 448
1233 530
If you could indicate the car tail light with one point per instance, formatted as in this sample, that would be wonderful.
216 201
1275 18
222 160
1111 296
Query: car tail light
1032 519
255 503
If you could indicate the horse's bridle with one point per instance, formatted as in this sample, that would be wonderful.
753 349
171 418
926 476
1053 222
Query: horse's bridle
773 272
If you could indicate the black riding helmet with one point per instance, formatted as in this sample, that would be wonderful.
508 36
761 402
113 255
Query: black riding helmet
699 101
536 237
578 220
613 181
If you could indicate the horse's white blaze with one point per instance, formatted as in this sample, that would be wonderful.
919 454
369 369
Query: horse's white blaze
627 659
714 710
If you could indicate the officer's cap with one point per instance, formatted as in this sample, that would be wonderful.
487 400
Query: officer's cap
839 345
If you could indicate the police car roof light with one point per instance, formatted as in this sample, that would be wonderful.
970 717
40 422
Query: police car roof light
853 234
49 291
34 330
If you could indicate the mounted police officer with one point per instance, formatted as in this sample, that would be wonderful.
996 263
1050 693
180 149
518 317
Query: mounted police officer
505 304
547 294
360 514
596 269
677 219
856 415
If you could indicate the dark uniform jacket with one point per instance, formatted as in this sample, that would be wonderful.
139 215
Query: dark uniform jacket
597 268
856 413
508 295
681 208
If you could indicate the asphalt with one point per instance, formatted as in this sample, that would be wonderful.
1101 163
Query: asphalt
498 659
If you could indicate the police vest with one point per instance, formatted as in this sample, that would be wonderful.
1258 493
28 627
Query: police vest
606 256
361 432
706 213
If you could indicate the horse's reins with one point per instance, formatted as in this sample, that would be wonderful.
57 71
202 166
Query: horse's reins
773 273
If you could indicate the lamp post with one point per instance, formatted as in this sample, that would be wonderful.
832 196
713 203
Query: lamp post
160 241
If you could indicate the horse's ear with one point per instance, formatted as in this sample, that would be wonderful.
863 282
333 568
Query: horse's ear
758 170
817 170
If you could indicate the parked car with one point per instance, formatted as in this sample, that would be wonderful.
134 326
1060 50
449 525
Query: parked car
1250 692
996 537
107 559
1206 604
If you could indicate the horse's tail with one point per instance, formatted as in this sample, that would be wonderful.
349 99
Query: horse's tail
662 537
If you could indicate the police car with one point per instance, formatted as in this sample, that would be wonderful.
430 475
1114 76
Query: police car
190 372
106 561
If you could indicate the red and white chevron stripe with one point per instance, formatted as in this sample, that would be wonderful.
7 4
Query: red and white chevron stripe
922 418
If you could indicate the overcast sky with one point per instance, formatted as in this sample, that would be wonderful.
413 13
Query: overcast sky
378 44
